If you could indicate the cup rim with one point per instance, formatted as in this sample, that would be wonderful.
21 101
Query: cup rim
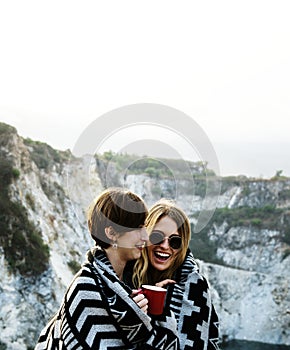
154 288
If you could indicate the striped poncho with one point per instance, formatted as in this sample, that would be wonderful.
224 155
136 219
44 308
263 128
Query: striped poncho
97 312
190 300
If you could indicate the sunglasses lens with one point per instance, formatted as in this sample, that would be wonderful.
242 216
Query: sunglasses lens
156 237
175 242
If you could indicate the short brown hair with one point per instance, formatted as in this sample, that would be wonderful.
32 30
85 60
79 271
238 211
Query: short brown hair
120 208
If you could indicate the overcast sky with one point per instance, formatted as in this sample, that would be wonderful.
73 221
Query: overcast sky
224 63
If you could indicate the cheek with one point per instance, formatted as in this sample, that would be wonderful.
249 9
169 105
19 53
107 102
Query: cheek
175 253
150 251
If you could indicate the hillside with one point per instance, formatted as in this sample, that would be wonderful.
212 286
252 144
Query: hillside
243 249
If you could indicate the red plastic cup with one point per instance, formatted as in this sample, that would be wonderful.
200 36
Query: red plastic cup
156 298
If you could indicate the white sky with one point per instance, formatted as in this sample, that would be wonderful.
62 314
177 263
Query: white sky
224 63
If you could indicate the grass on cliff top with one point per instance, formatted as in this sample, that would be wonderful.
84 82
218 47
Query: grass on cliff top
155 167
23 246
44 156
7 129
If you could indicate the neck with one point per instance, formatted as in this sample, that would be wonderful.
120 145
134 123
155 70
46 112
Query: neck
117 263
155 276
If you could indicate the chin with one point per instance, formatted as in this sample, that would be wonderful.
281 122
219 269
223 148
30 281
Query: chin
137 255
161 267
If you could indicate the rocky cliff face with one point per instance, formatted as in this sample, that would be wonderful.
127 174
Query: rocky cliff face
29 297
244 250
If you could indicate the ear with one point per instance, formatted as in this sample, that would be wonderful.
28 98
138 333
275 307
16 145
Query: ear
110 233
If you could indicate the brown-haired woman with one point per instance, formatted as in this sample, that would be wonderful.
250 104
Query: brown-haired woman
99 311
168 262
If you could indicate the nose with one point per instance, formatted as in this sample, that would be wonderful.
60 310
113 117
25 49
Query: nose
144 234
165 243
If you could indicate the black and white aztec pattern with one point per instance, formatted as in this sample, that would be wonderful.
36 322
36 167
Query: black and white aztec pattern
97 312
190 300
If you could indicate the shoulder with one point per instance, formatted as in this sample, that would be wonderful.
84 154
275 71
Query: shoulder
86 274
190 262
84 280
190 273
188 267
83 294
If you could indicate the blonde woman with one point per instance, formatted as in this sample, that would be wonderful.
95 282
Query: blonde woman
168 262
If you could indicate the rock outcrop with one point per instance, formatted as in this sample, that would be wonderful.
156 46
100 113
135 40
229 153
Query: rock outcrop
244 250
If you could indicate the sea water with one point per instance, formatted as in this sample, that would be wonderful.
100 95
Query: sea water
247 345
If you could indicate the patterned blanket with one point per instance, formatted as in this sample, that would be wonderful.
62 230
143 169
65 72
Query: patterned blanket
190 300
97 312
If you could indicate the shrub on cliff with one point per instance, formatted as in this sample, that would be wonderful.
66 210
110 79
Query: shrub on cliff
23 246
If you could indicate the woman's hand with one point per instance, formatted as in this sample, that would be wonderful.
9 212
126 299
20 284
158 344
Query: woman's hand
140 300
164 283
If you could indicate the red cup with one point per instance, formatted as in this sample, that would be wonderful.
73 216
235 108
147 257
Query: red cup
156 298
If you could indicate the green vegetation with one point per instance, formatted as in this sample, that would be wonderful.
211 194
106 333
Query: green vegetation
286 253
5 133
30 200
3 346
267 217
203 248
196 174
158 168
53 191
134 164
74 266
279 176
228 182
15 173
44 156
286 224
6 129
21 241
200 185
284 195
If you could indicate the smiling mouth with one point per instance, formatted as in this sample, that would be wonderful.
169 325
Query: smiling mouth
162 256
140 246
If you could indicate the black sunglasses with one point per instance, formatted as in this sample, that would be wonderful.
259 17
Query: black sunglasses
158 237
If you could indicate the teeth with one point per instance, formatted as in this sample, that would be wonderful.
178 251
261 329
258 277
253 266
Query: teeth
163 255
141 245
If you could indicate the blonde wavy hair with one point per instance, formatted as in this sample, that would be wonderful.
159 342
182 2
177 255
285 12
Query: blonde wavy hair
143 272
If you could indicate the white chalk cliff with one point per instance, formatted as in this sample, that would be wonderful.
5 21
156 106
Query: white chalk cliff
249 272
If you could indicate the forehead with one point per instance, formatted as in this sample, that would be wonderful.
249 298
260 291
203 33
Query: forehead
166 225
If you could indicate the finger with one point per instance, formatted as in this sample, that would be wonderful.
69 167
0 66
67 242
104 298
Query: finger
164 283
136 291
145 309
138 298
142 303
